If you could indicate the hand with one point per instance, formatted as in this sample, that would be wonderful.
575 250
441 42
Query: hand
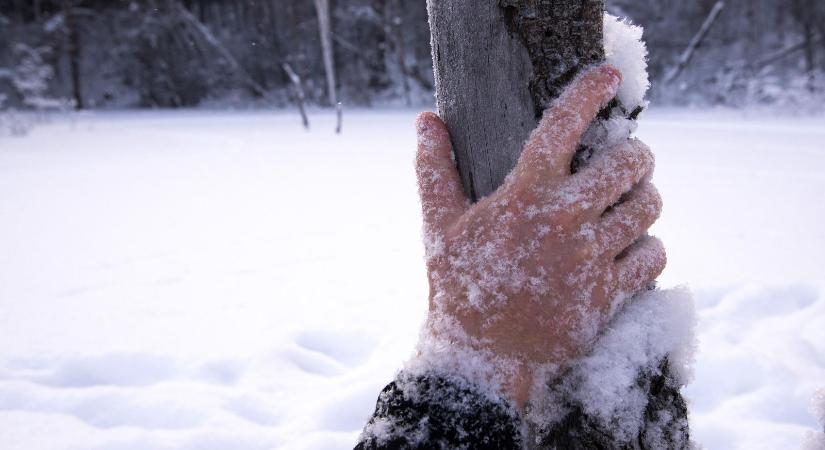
533 272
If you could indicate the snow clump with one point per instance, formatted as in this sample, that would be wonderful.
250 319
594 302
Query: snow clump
816 440
625 50
653 326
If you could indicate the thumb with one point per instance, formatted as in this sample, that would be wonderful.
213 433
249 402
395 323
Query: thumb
439 185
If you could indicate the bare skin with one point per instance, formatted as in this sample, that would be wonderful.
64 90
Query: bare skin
533 272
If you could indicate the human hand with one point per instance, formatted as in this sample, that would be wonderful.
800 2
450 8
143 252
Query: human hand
533 272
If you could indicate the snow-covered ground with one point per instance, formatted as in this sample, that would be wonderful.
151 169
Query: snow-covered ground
229 281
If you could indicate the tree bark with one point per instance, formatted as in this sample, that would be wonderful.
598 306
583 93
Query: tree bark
498 64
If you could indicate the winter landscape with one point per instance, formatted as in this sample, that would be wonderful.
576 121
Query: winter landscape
227 280
185 265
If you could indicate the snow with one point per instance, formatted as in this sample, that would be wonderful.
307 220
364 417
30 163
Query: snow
625 50
227 280
815 440
657 324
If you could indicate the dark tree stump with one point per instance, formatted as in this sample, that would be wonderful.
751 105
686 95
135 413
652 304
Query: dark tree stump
498 65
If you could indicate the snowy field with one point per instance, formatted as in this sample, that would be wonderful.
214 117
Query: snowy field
229 281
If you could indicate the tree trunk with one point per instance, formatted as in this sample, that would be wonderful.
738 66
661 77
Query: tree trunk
325 31
810 64
393 24
73 50
498 64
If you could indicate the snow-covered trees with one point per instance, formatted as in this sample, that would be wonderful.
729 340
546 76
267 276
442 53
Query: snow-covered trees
756 52
29 81
30 77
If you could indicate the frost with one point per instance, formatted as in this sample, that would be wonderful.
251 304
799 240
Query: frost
444 349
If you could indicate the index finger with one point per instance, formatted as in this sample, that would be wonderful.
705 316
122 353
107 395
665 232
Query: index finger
551 146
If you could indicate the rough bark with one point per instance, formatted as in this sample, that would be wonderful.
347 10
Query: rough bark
498 64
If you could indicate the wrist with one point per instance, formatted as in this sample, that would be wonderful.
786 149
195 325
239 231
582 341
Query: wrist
446 349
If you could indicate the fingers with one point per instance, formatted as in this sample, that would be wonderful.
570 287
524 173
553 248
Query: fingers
641 264
550 149
439 185
602 182
622 225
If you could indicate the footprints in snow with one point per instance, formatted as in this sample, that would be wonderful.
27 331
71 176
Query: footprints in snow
129 389
330 353
157 392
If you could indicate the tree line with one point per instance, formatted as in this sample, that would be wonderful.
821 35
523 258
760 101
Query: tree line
184 53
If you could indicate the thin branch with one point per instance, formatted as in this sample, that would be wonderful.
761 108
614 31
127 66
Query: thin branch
696 42
299 92
215 43
784 52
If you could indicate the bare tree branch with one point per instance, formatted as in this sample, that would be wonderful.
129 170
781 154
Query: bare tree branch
694 44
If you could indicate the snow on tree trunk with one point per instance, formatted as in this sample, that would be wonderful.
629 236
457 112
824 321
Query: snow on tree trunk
498 65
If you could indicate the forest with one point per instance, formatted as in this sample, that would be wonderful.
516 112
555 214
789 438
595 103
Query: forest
92 54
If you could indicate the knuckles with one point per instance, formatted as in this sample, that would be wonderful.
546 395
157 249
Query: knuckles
644 155
656 202
657 254
652 201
